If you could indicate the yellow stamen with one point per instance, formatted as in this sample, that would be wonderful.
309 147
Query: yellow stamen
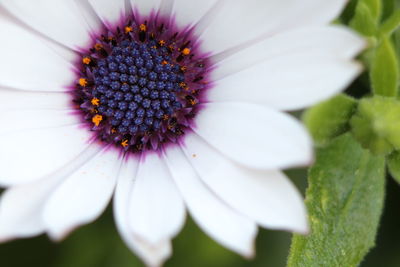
186 51
98 46
124 143
161 42
143 27
192 102
95 101
86 60
164 62
113 130
83 82
128 29
97 119
183 68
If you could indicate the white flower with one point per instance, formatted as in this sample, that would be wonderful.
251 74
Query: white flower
215 146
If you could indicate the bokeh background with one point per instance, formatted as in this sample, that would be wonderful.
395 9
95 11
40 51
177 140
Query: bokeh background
99 245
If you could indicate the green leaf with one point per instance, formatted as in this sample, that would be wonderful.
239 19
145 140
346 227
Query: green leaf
385 70
345 201
375 7
396 38
394 165
391 24
364 20
330 118
376 124
387 8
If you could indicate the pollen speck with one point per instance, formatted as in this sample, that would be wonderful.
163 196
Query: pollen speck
161 42
192 102
128 29
194 155
95 101
143 27
83 82
97 119
86 60
98 46
186 51
164 62
124 143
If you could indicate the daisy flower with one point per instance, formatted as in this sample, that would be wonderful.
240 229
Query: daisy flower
168 106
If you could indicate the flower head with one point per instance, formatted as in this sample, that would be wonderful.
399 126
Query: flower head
169 105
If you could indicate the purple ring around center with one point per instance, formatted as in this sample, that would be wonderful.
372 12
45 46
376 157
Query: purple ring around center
116 104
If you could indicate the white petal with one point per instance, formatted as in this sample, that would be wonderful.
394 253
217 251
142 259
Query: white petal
156 211
165 8
109 11
267 197
288 78
151 255
18 99
15 120
225 225
254 135
334 41
20 210
289 82
83 196
190 12
89 14
241 21
145 7
21 207
59 20
32 154
28 64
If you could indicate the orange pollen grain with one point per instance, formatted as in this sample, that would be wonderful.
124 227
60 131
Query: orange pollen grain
186 51
124 143
98 46
143 27
95 101
165 117
83 82
128 29
161 42
97 119
86 60
164 62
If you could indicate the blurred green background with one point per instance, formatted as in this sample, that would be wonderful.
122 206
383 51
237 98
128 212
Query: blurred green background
99 245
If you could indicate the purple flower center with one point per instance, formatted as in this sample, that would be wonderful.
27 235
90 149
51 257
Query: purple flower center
140 85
